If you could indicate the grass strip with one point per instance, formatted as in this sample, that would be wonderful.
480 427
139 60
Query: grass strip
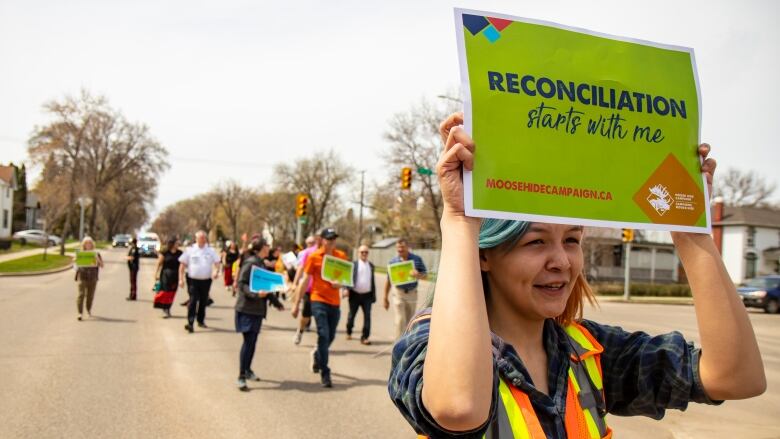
34 263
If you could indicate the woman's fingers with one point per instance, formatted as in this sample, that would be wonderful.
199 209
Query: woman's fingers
451 121
458 135
454 157
704 150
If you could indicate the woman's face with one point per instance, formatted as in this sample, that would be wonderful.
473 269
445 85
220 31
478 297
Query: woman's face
536 276
87 245
263 253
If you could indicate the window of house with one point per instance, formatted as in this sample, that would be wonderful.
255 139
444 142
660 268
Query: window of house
750 266
751 237
5 218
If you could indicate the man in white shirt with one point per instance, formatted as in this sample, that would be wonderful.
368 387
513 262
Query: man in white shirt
202 264
362 294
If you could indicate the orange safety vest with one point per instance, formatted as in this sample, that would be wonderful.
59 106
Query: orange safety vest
585 409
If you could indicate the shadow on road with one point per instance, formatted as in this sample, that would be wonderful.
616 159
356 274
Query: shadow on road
107 320
341 382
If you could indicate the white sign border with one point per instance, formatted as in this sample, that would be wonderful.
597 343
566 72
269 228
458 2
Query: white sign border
468 184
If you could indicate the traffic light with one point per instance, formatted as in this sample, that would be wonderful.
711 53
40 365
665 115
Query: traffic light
302 205
406 178
628 235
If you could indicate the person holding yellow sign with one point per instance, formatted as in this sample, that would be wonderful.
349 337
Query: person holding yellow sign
325 299
88 262
504 350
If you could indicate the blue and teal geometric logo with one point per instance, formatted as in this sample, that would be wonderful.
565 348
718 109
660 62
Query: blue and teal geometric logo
490 27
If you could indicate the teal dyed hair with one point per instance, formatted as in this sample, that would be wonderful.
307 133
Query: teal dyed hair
496 232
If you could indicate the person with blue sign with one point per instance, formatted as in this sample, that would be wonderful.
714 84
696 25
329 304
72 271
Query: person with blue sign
251 309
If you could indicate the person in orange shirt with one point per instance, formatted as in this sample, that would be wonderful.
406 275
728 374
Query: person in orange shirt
325 301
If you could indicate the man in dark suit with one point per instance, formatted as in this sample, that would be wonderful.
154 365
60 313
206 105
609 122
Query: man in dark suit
362 294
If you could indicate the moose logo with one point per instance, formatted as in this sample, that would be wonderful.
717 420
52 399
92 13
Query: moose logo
660 200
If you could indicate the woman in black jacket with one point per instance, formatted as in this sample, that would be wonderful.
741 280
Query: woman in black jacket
251 309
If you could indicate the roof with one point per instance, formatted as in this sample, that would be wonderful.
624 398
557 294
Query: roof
8 175
750 216
385 243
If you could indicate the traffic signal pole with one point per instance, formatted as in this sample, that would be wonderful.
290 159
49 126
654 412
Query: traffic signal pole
627 275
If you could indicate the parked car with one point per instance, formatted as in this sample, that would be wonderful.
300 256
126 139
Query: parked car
148 244
121 240
36 237
762 292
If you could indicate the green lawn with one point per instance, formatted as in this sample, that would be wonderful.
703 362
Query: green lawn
34 263
16 247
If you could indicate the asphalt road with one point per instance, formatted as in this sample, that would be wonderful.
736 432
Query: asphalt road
126 372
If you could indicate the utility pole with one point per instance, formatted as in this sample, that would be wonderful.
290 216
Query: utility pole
82 202
360 214
628 237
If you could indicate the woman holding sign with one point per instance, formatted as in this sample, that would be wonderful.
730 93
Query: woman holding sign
88 262
251 308
504 350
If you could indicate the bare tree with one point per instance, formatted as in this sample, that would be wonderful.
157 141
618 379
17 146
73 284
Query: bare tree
320 177
61 144
88 145
277 211
415 143
740 188
233 200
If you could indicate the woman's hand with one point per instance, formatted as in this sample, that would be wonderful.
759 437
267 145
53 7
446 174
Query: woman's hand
458 154
708 166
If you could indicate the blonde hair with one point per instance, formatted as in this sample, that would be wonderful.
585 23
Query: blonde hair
87 239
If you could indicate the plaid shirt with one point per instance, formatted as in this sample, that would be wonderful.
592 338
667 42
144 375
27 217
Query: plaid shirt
643 375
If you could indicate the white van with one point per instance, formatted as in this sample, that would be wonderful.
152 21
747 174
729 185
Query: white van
149 244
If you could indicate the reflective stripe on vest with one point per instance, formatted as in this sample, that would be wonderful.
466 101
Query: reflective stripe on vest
585 408
584 419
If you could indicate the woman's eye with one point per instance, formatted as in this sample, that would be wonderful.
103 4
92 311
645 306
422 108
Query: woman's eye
572 240
535 242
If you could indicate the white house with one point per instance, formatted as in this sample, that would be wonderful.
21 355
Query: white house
7 188
748 239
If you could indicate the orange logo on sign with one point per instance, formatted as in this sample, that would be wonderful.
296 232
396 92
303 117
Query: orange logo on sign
670 195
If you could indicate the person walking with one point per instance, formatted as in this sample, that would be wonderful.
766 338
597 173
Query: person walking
229 256
312 244
404 296
362 295
505 352
87 277
167 274
133 264
251 309
325 300
201 264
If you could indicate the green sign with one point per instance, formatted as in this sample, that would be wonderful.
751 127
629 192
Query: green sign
400 273
86 259
337 270
577 127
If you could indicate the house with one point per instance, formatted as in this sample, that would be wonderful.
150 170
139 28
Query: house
7 188
653 257
748 239
32 208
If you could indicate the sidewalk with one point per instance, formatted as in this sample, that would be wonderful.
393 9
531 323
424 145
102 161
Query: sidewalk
35 251
648 300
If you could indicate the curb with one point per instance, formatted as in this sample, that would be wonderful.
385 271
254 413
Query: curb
38 273
649 301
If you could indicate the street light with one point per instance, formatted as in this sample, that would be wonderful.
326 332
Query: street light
83 201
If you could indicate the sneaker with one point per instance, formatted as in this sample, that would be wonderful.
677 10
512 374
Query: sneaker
315 365
325 380
297 337
79 317
242 384
365 341
202 325
250 376
189 329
